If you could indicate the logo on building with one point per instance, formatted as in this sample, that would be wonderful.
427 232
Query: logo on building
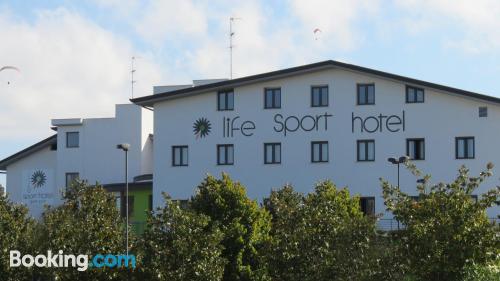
38 179
202 127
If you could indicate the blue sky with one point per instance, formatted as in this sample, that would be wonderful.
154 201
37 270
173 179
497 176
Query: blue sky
74 56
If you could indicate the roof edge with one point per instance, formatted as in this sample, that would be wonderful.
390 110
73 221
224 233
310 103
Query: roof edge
27 151
150 100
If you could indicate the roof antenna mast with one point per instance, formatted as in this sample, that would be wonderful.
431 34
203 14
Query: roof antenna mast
231 46
132 71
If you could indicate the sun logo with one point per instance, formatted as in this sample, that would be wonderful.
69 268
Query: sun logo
201 127
38 179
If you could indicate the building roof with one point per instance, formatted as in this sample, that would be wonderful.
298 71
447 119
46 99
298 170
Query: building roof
28 151
152 99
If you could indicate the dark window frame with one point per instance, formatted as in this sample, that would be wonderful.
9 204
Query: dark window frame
68 174
365 142
226 158
181 161
226 100
416 89
273 156
367 198
408 147
67 139
131 202
273 92
320 160
358 93
320 99
150 202
466 148
483 111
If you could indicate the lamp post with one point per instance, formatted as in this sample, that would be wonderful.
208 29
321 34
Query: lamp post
400 160
125 147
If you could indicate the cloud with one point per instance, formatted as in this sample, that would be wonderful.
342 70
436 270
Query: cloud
475 24
70 67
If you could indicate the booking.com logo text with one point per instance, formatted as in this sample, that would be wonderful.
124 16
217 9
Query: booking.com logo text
81 262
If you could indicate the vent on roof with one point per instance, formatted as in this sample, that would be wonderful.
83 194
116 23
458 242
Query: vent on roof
483 111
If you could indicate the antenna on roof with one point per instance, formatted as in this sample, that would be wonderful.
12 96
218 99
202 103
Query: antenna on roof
132 71
231 46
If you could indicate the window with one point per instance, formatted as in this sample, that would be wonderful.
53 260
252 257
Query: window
272 98
319 96
414 94
464 148
118 200
150 202
366 150
272 153
366 94
130 206
72 139
180 155
319 151
225 100
483 111
71 177
225 154
367 205
415 149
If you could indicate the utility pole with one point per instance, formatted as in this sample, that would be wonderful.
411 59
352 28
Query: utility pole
231 46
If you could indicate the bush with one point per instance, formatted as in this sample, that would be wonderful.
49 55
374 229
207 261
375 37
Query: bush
321 236
16 233
445 228
179 244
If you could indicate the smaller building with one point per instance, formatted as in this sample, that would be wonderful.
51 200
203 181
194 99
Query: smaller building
85 148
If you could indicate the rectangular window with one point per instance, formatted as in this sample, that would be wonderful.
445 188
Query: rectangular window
483 111
225 154
150 202
366 150
319 151
366 94
71 178
414 94
72 139
179 155
464 148
319 96
272 153
225 100
367 205
415 149
272 98
118 200
130 206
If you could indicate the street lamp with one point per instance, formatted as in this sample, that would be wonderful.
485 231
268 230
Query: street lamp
125 147
401 160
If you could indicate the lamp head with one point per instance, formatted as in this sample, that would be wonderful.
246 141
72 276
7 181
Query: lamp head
392 160
403 159
123 146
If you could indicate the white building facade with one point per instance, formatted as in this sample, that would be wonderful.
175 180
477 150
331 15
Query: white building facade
84 149
328 120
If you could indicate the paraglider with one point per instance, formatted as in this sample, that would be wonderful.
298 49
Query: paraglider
9 67
316 32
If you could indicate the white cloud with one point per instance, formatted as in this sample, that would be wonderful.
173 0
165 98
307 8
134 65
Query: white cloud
475 24
70 67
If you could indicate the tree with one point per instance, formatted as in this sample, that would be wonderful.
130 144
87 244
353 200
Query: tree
320 236
16 233
446 228
244 224
87 223
181 245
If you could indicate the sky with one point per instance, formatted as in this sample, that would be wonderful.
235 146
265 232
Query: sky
75 56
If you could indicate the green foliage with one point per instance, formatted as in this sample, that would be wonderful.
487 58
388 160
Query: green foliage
181 245
320 236
445 229
486 272
88 223
244 224
16 233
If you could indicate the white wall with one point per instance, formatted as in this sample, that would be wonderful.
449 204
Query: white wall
439 120
45 160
